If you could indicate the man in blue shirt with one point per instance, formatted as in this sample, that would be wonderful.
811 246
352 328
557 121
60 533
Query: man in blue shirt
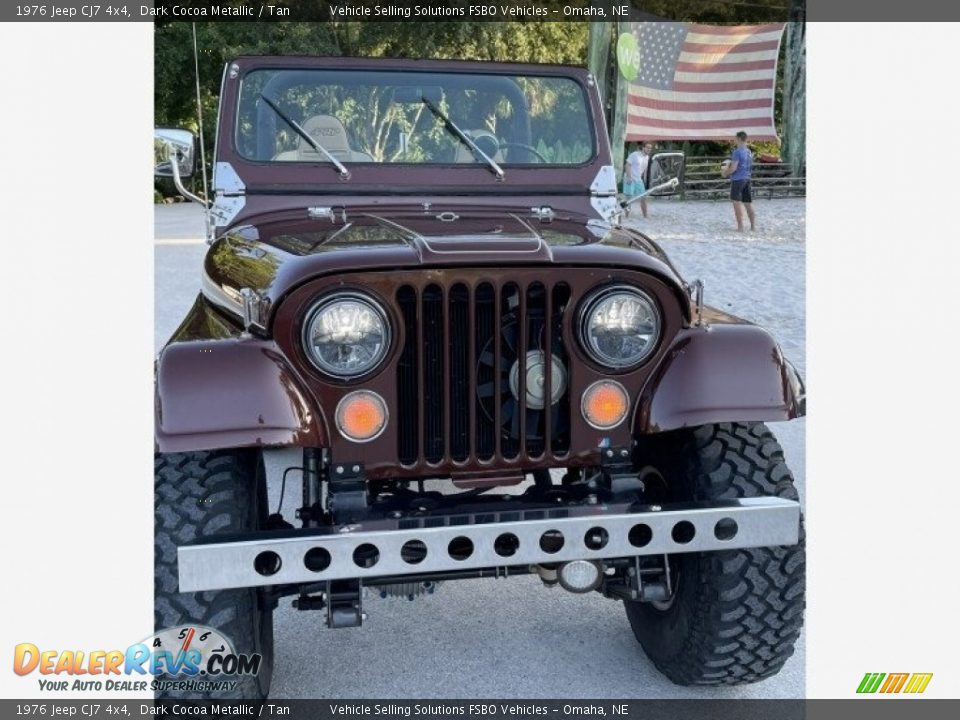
739 169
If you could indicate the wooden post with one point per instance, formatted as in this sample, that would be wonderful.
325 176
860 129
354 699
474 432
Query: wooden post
602 62
598 59
795 90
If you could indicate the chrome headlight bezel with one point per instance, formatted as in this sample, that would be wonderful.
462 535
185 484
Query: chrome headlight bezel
590 304
324 303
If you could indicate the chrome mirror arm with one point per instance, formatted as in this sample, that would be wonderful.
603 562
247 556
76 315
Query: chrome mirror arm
178 183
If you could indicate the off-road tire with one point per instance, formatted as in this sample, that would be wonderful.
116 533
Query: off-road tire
196 495
735 615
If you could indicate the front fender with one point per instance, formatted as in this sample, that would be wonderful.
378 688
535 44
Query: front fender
231 392
720 373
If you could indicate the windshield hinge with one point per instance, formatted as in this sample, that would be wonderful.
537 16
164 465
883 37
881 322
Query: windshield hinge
332 214
695 290
255 310
544 213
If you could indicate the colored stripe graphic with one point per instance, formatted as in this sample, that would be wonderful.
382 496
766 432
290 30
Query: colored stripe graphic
870 682
893 683
918 682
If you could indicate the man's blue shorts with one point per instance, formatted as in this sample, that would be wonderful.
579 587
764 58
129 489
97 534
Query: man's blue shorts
740 191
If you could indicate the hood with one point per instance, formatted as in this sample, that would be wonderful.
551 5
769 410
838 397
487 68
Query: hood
276 253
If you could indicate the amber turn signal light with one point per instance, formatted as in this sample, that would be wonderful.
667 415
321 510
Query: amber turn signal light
605 404
361 416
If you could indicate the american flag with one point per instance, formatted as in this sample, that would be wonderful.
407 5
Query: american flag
703 82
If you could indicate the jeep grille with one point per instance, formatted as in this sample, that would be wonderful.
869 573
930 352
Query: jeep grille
468 353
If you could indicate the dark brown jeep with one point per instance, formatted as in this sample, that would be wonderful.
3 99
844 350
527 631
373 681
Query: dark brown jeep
418 275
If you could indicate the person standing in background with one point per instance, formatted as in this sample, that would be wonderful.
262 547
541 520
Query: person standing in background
739 168
636 175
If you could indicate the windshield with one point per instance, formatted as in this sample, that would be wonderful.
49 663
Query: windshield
352 116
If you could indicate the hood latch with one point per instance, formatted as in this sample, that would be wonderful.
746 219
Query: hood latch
544 213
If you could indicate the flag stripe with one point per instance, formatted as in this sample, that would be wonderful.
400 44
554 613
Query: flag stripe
725 60
735 122
715 39
729 85
641 132
678 97
707 78
745 47
737 114
697 106
720 67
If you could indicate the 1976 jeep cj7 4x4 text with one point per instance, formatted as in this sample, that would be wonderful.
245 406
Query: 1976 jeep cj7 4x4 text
418 272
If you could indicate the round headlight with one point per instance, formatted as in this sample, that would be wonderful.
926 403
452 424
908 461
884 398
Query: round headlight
346 335
619 327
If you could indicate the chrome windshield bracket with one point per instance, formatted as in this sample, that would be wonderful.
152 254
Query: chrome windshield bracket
318 213
544 213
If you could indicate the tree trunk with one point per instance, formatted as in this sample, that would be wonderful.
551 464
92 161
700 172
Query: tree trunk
598 59
795 90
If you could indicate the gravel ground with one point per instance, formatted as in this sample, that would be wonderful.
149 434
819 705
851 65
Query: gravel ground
514 638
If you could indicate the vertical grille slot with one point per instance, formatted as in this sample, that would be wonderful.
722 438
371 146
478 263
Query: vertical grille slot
460 372
407 381
433 382
484 311
559 427
511 340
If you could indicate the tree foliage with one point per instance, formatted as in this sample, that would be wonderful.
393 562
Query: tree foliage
717 12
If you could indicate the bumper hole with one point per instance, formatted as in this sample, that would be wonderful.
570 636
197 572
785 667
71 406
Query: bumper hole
506 544
460 548
316 559
413 552
640 535
267 563
683 532
596 538
725 529
551 541
366 555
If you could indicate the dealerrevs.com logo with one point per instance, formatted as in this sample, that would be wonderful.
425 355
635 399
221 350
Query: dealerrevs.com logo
892 683
187 658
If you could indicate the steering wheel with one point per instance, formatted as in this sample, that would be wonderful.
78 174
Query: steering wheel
523 146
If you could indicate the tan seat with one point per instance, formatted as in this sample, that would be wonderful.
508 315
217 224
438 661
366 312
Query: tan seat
329 132
465 155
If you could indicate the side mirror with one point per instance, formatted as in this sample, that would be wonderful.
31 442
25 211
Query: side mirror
171 145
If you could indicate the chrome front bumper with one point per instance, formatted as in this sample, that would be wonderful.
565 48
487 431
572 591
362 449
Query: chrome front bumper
593 533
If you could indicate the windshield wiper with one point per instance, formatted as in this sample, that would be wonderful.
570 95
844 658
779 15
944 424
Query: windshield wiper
344 173
452 128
